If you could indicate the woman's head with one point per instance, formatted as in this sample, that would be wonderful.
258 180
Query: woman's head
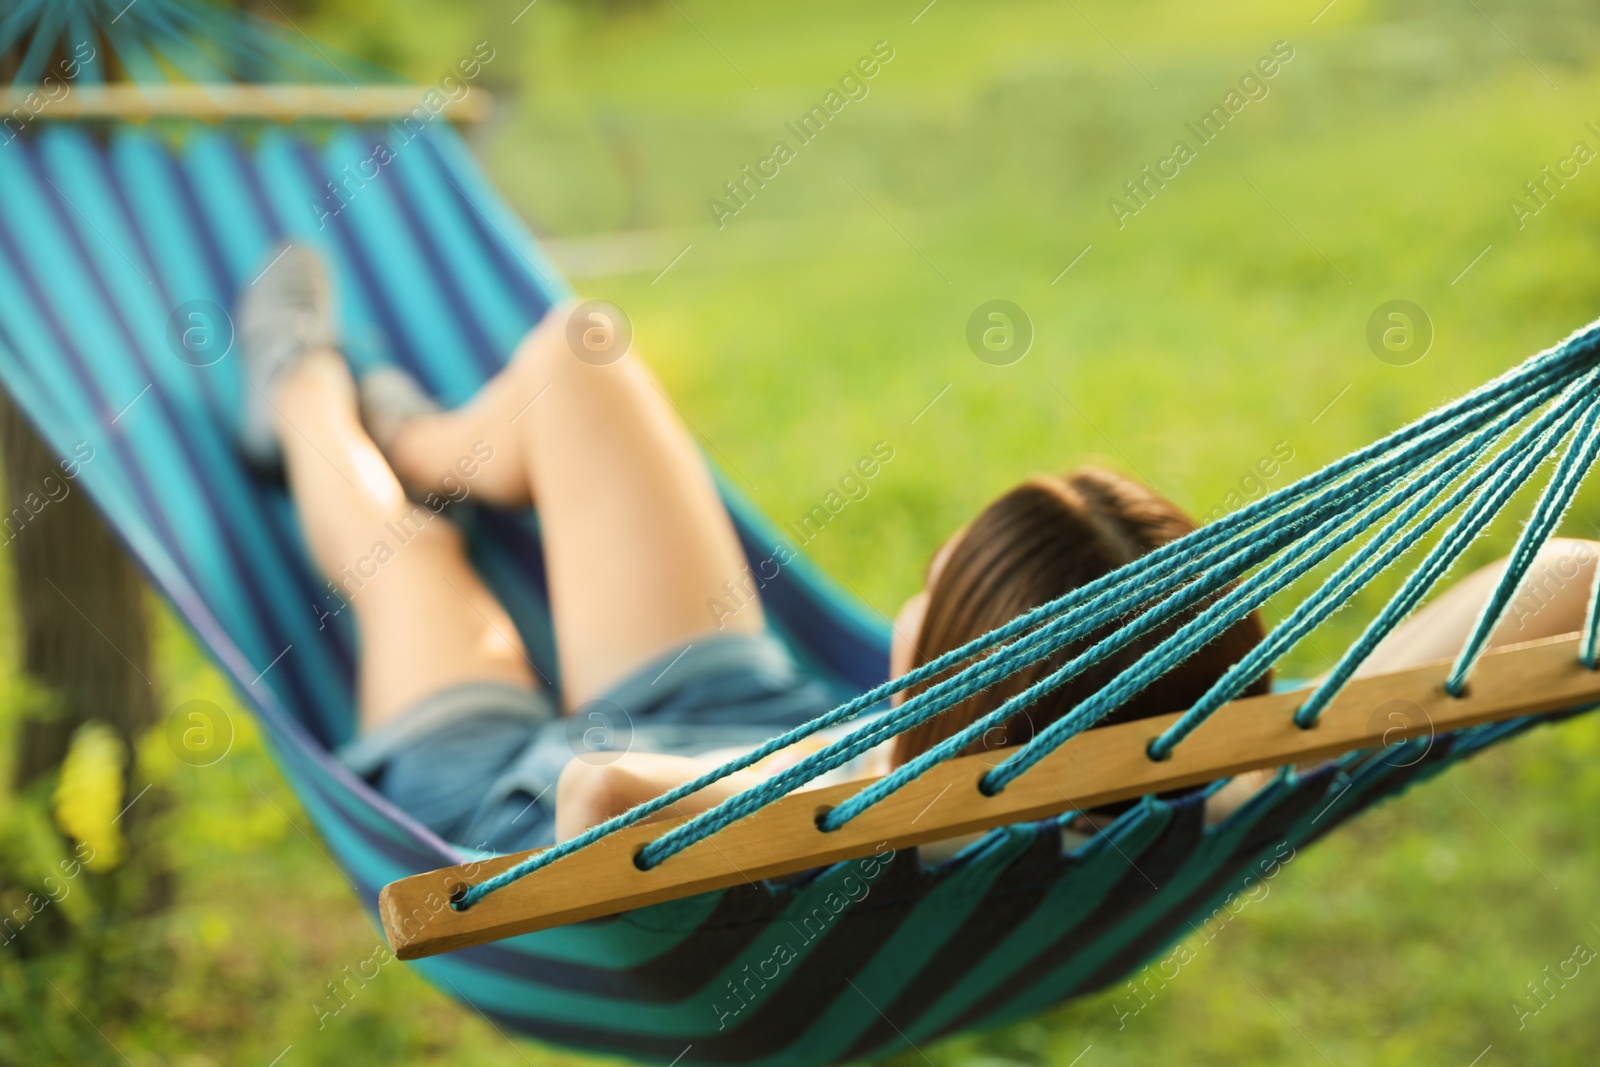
1037 542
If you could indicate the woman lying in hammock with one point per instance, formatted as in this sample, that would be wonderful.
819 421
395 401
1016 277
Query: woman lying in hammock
457 727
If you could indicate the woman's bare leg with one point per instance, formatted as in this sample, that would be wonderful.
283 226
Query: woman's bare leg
638 547
424 619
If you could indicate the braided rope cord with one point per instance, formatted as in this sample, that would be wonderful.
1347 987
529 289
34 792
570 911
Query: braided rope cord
1552 507
1220 574
1212 623
1386 548
164 41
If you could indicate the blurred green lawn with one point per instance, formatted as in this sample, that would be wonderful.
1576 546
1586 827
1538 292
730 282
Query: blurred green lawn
1226 320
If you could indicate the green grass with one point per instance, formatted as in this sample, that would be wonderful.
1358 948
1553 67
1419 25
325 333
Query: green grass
1225 318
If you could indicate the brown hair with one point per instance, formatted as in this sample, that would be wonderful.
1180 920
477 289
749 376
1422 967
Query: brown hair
1037 542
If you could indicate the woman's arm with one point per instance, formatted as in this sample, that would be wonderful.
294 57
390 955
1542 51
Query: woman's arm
588 794
1551 601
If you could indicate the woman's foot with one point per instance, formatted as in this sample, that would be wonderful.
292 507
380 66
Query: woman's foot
285 314
391 398
427 448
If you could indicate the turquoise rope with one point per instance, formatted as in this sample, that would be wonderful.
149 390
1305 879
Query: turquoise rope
31 69
15 22
1225 609
1329 503
1540 373
739 806
1194 636
1360 570
154 39
843 813
1386 547
1590 656
955 689
1432 568
1420 442
1185 597
1547 516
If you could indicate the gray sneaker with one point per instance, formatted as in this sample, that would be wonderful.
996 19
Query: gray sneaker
390 397
285 313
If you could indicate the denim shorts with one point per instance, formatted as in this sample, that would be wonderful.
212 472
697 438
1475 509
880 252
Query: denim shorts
477 763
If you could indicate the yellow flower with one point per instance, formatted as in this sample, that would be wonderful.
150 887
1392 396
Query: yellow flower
88 798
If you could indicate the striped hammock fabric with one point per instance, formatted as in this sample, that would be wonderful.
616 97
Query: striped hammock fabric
116 241
103 237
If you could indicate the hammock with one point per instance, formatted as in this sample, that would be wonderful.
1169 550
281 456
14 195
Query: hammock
107 227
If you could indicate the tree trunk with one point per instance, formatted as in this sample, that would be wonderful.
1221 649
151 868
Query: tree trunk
80 604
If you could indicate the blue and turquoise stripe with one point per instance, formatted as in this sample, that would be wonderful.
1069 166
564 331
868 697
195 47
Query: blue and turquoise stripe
101 235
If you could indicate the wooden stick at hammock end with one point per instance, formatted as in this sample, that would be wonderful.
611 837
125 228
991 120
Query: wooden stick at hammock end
271 102
1093 769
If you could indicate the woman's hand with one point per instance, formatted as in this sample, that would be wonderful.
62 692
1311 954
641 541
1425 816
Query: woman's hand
588 794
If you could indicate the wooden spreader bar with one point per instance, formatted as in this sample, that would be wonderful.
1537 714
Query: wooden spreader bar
284 102
1091 770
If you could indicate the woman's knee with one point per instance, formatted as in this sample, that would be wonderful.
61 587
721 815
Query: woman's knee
570 352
